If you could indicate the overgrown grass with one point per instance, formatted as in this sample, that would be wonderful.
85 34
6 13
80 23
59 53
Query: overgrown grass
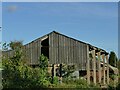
78 83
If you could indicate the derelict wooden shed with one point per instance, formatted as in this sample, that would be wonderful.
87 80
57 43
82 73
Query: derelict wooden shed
61 49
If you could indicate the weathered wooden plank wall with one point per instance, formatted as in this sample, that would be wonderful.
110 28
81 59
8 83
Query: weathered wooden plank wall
62 49
31 51
66 50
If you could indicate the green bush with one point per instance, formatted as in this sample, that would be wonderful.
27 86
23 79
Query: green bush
23 76
55 80
77 83
17 74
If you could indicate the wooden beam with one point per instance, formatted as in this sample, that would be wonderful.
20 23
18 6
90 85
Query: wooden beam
103 57
88 66
43 38
107 69
60 79
53 72
99 67
94 67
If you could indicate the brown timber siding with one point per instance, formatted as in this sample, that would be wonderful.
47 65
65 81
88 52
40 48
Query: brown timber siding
33 51
63 49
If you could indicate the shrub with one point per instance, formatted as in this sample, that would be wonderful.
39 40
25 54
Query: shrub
17 74
77 83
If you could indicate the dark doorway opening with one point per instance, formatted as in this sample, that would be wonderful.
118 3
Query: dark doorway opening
91 79
82 73
45 47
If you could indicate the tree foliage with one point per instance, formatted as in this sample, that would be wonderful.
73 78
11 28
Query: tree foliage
17 74
118 64
113 59
68 70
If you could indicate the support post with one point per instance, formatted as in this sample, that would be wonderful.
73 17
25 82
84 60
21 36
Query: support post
60 79
94 67
88 66
99 67
53 72
103 57
107 69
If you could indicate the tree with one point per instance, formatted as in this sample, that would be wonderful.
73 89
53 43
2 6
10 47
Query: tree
43 62
17 74
118 64
113 59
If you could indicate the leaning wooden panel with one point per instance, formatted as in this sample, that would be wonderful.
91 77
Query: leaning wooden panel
87 53
28 52
35 53
64 52
31 52
57 39
50 48
38 49
73 43
62 49
81 54
54 48
83 59
88 65
59 50
69 51
66 49
81 48
49 37
76 52
84 56
72 59
79 66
